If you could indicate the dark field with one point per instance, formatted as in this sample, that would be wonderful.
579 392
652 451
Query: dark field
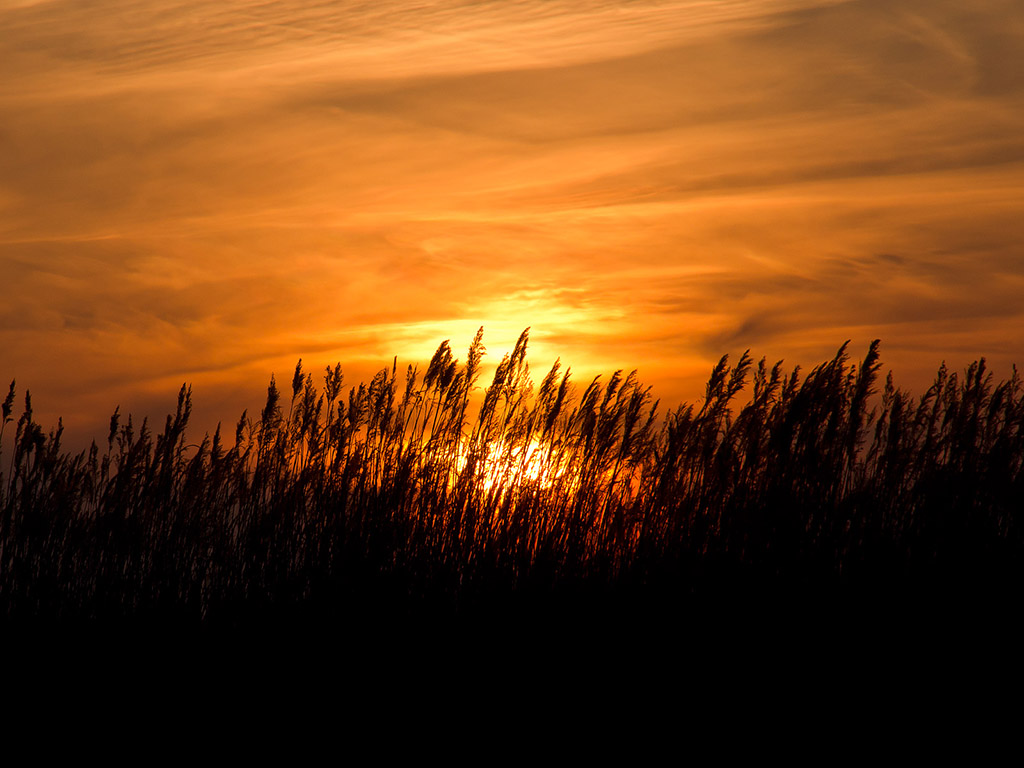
424 496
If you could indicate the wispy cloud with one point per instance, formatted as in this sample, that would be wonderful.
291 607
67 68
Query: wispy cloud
197 190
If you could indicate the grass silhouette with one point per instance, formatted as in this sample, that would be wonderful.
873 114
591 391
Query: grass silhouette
413 495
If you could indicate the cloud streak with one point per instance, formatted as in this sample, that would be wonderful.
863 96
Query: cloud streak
206 192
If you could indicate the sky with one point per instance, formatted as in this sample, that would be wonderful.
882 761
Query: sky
206 192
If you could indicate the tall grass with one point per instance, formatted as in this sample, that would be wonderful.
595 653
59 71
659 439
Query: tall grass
425 491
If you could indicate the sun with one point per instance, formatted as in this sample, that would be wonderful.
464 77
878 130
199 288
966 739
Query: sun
514 466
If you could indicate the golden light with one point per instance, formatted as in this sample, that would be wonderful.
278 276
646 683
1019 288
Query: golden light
508 468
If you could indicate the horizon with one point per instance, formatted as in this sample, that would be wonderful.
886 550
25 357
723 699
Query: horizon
205 419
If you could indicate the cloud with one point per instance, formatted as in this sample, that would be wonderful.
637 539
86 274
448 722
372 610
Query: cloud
209 191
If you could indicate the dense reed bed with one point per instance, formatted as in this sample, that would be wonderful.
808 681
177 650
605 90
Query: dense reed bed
427 492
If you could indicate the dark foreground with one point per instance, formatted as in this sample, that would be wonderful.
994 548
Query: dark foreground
410 504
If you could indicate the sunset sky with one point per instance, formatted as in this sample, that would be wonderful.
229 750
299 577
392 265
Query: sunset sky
207 191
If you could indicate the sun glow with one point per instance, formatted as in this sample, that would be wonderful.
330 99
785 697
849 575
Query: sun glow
511 467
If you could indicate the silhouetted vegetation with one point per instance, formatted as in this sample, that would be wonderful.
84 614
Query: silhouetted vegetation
411 494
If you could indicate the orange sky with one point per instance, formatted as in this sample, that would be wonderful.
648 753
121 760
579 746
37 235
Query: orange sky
204 192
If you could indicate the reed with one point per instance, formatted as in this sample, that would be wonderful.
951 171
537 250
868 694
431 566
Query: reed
422 491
